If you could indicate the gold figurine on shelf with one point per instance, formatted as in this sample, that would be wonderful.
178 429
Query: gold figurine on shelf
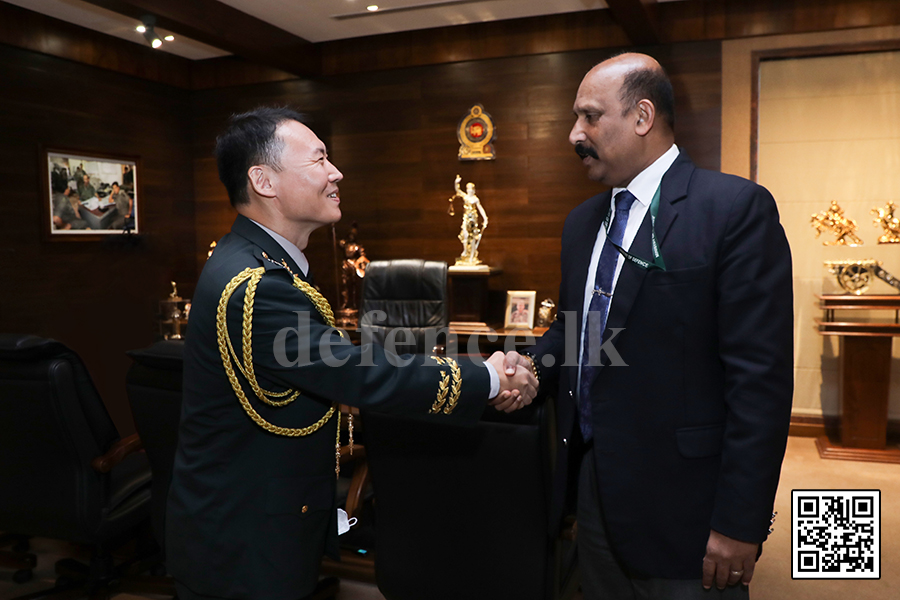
471 230
884 218
833 220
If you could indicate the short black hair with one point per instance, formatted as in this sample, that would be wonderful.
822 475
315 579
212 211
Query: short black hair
249 139
115 184
652 85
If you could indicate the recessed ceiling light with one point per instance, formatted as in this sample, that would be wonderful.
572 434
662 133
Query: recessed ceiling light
169 38
140 29
372 7
156 43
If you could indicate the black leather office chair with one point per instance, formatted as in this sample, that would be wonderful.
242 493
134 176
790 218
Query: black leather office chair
64 471
407 293
460 512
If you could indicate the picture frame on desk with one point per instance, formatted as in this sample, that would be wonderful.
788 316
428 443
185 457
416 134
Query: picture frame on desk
88 195
520 309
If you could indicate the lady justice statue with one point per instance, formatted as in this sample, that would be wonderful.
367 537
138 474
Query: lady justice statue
471 231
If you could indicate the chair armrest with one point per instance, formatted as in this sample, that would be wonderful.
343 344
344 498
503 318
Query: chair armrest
359 453
117 453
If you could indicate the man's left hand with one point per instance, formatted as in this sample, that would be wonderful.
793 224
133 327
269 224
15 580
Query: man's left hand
728 561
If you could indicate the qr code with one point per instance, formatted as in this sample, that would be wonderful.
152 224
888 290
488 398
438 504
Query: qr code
836 534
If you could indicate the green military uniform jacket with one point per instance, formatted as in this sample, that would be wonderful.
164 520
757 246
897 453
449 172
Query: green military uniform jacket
251 512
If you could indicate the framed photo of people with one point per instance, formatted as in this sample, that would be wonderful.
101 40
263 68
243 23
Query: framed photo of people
520 309
88 195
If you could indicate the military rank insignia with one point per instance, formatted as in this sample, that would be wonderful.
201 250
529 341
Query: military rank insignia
476 132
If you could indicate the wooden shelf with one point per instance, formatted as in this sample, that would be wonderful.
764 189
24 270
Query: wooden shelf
858 328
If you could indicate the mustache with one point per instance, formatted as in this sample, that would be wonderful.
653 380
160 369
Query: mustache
583 151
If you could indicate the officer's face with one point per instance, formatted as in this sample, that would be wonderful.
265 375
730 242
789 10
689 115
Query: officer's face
306 186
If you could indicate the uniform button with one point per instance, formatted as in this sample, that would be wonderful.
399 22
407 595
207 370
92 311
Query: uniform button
571 395
565 442
304 509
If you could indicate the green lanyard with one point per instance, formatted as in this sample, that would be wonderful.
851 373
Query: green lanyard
657 257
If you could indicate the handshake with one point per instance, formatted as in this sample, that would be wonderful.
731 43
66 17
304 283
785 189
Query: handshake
518 384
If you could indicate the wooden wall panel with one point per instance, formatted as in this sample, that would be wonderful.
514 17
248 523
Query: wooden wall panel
393 135
100 298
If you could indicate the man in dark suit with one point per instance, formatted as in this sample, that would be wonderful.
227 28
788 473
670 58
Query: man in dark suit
252 508
676 299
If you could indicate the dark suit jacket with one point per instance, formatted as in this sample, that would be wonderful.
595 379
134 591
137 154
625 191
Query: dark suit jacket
251 513
691 434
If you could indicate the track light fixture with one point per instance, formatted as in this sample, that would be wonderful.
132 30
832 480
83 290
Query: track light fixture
147 29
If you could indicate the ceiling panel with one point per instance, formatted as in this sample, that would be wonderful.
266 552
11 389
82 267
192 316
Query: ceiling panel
317 20
111 23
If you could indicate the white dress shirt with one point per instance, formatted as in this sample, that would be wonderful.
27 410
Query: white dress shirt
643 186
289 247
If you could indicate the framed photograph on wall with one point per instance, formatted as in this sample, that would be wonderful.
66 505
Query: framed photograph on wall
88 195
520 309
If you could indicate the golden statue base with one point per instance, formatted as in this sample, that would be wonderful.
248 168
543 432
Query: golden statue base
463 268
347 318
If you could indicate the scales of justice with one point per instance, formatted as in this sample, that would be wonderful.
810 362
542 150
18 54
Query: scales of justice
474 222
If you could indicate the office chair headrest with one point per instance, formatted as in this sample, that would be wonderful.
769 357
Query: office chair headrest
15 346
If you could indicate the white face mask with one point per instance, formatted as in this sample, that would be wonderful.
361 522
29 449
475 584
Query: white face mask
344 524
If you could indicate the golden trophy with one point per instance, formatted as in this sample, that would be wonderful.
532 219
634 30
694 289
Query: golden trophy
471 230
884 217
833 220
174 312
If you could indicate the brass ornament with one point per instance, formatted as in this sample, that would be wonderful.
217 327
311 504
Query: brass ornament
855 276
475 133
884 217
353 270
545 313
833 220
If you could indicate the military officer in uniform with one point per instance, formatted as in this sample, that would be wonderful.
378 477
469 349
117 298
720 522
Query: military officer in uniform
252 508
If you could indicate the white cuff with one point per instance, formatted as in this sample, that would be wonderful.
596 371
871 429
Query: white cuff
495 380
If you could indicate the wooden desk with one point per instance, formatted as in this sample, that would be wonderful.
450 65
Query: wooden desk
865 375
500 338
468 292
485 340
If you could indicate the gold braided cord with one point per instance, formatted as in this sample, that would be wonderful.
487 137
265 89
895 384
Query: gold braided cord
224 343
246 368
318 301
337 443
445 387
247 342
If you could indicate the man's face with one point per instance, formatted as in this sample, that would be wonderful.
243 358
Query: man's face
86 178
306 186
115 189
606 135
